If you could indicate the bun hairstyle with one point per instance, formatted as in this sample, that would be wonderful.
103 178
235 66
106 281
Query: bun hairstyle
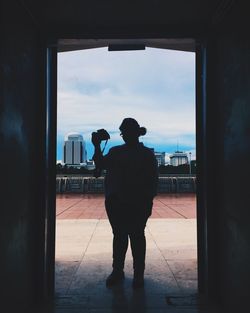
142 131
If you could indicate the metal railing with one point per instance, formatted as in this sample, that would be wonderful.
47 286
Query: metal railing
78 184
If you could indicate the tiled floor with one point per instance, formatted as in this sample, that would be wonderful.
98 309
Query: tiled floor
88 206
84 256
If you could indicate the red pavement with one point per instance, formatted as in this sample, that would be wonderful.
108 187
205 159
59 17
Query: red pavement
91 206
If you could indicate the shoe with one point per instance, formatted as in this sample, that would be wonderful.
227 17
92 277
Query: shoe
138 282
114 278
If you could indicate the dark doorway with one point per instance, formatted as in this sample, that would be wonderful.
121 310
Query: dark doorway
72 269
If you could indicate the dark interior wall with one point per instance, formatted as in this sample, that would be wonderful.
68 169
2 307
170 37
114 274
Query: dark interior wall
22 137
234 98
229 107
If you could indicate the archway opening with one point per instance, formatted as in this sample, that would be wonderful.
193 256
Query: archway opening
97 89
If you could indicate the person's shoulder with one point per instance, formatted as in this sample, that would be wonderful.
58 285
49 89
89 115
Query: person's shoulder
147 150
149 154
116 149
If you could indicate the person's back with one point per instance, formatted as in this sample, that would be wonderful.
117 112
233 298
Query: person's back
132 172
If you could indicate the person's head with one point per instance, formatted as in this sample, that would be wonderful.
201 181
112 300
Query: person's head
131 130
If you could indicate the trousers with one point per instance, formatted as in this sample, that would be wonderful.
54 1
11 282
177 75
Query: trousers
128 221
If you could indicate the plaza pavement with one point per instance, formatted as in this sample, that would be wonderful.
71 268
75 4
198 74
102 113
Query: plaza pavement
84 257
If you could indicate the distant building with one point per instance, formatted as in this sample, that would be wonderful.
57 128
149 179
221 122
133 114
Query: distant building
74 150
178 158
160 157
90 165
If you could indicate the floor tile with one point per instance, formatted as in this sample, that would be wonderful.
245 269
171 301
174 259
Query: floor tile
84 259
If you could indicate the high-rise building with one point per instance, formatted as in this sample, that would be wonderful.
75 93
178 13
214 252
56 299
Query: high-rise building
178 158
74 149
160 157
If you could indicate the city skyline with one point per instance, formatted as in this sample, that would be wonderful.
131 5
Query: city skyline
98 88
86 157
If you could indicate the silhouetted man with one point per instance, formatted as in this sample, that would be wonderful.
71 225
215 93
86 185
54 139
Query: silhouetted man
130 186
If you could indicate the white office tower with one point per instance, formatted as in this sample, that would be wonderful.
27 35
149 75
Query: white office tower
178 158
74 150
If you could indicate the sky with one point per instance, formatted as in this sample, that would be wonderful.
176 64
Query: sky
98 88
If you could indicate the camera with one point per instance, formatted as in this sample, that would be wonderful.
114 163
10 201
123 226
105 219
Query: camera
101 134
98 136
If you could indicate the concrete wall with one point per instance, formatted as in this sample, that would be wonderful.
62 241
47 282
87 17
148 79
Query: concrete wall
229 143
22 133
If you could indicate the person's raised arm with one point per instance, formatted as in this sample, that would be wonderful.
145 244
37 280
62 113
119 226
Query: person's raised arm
98 156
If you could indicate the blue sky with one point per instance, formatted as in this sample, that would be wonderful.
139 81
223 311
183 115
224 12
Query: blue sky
98 88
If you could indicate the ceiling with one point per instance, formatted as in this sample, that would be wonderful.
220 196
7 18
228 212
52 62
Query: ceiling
186 44
81 24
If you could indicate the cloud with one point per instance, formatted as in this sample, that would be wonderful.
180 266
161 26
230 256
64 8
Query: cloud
97 89
98 66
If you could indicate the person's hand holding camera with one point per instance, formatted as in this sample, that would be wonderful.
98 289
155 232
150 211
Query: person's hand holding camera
98 136
95 139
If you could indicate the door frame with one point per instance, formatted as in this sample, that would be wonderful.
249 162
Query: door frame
201 153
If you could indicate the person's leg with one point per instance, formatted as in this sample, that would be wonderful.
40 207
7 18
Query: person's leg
138 247
120 240
120 246
138 244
